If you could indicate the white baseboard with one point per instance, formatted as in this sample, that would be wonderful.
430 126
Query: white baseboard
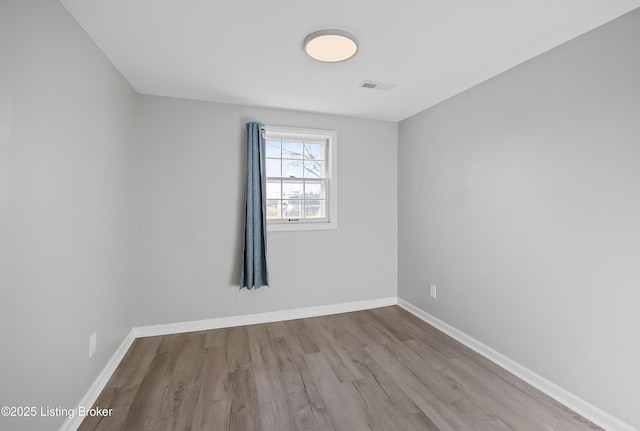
572 401
72 424
252 319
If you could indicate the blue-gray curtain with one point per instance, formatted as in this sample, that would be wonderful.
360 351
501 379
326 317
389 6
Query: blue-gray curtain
254 256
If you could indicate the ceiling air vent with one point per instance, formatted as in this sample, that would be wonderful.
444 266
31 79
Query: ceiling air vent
376 85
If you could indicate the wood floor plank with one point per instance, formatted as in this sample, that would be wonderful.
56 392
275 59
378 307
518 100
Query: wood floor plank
389 318
277 415
372 370
147 404
277 329
385 412
238 351
290 372
213 407
141 352
344 406
378 330
416 390
419 422
400 399
356 323
365 364
339 360
217 337
120 405
183 389
450 392
245 407
307 403
267 370
299 338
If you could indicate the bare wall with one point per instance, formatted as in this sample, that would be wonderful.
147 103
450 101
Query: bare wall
65 129
189 188
520 199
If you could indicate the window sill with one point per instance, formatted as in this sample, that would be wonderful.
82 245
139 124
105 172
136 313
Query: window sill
284 227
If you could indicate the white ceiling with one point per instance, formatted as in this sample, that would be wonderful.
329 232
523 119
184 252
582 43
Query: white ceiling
250 51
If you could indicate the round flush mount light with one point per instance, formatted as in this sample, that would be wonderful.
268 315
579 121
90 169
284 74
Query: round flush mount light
330 46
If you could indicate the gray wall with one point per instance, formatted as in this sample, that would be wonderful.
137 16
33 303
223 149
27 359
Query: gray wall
65 126
520 199
189 185
112 217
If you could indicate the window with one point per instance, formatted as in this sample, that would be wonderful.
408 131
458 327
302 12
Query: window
301 179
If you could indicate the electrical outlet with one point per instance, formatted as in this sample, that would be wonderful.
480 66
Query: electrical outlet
432 291
92 344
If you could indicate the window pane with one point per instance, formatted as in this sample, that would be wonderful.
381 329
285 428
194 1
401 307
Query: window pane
292 208
313 169
313 151
273 148
273 208
291 150
314 208
292 168
273 190
313 190
292 190
273 168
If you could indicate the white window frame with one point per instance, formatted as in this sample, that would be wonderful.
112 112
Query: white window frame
331 168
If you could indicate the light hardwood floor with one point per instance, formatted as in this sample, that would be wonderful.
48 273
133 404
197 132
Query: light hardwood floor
380 369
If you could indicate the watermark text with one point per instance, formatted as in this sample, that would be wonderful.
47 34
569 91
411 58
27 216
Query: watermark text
42 411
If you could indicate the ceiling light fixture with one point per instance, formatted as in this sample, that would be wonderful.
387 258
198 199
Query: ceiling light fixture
331 46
